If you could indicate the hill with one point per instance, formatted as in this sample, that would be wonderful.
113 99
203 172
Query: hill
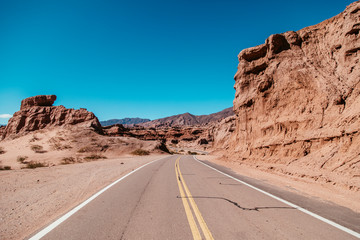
124 121
187 119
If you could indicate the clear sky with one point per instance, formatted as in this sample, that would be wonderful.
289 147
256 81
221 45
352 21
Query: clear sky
148 59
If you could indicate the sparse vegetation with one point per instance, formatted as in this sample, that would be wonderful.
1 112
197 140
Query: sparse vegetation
58 146
2 151
21 159
34 139
140 152
68 160
94 157
5 168
104 147
192 153
33 165
37 148
56 143
84 149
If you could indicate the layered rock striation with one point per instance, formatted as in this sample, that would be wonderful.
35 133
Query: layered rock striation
171 135
38 113
40 100
297 100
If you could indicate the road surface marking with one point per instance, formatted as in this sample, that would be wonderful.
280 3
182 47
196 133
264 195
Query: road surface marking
189 215
334 224
53 225
201 221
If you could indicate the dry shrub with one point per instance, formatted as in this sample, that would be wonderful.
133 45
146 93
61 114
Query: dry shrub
85 149
34 164
140 152
68 160
192 153
5 168
21 159
2 151
34 139
94 157
37 148
58 146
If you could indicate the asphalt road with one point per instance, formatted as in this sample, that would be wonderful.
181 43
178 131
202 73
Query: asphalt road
178 197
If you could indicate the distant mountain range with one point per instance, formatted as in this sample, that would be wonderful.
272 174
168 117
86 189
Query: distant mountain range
124 121
185 119
188 119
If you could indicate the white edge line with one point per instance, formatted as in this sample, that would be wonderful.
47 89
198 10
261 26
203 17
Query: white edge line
334 224
53 225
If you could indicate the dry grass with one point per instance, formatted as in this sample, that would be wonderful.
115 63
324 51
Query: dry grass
192 153
68 160
140 152
37 148
94 157
5 168
34 164
55 143
85 149
34 139
21 159
59 147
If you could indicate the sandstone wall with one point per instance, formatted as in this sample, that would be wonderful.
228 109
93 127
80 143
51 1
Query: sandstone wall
298 101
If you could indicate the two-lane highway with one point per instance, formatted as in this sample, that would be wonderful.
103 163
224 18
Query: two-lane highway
178 197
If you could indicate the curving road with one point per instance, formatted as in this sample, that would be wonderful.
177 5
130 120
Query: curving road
178 197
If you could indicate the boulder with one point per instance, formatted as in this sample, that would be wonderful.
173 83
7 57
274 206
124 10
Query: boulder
41 100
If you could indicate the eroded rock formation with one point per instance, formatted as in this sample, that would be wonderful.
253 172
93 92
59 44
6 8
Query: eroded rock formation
2 130
170 135
297 100
40 100
38 113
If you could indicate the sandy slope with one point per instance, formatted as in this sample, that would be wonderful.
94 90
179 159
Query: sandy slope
326 192
32 198
59 143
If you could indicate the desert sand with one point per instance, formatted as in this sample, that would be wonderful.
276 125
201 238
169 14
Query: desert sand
32 198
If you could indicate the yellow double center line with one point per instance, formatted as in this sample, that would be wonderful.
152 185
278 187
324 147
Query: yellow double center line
185 196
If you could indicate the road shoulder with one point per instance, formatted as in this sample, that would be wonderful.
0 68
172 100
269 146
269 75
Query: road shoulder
286 189
32 198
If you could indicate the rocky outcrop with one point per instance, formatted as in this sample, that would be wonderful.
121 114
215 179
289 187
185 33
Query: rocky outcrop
41 101
169 135
38 113
2 130
297 99
222 133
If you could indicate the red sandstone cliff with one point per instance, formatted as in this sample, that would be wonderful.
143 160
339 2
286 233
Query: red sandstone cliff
297 102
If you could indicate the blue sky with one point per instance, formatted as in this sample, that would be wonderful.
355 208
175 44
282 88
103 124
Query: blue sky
147 59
